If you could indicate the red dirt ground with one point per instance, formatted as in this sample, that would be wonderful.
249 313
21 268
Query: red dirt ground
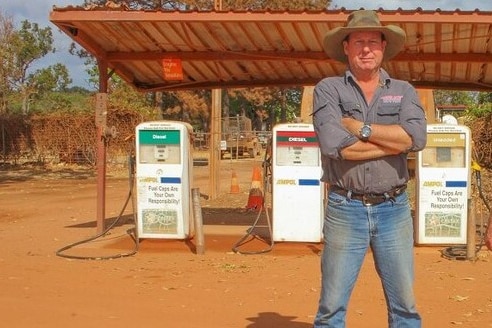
166 284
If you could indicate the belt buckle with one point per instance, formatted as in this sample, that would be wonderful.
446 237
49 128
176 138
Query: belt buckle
370 200
366 200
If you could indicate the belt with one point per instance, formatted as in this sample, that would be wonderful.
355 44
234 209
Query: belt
370 198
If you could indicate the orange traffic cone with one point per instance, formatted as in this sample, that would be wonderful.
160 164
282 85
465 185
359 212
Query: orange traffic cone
234 183
255 199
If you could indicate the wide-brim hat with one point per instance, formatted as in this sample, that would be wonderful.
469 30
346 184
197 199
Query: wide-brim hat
359 21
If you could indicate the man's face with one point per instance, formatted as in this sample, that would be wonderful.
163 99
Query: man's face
364 50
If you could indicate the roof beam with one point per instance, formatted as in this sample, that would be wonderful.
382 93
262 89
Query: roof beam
212 56
388 16
289 56
465 85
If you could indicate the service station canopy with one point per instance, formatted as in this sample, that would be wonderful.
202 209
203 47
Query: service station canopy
176 50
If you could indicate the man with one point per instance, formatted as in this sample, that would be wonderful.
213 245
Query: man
488 234
366 123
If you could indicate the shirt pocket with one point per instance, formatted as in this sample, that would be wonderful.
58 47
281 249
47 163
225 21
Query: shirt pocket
388 114
351 109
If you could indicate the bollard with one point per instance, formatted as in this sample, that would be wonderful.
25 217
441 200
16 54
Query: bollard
470 236
198 220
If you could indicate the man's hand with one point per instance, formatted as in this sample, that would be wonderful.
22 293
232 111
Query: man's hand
392 138
352 125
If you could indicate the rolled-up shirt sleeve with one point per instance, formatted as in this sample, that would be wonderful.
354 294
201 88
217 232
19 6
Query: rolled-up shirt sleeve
327 118
412 118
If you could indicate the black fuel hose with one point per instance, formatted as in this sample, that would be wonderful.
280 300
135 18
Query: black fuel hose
460 252
132 232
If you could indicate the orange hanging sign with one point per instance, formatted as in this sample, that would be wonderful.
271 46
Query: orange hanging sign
173 70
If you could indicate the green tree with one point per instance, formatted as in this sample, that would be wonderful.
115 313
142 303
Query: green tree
51 78
478 104
21 49
483 105
484 97
30 44
452 97
7 35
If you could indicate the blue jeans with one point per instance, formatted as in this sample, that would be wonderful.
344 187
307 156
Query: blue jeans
349 229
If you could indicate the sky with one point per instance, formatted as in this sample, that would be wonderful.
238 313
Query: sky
37 11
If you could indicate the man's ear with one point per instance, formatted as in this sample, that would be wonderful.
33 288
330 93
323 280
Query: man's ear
344 45
383 45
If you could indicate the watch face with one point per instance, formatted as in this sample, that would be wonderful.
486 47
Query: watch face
365 131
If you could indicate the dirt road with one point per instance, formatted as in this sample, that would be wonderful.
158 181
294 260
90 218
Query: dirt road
165 284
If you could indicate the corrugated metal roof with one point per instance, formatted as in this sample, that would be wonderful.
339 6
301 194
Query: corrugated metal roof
230 49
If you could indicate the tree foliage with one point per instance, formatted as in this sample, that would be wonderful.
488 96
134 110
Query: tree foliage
452 97
478 104
21 48
7 33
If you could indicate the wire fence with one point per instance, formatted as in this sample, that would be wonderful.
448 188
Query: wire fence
71 139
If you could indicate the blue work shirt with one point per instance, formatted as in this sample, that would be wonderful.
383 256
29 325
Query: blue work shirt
394 102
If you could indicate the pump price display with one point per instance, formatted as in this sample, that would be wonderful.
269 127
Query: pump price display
444 150
159 146
297 148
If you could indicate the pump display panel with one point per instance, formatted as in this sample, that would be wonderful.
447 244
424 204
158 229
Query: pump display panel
444 150
297 148
159 147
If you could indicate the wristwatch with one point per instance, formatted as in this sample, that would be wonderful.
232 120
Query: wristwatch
365 132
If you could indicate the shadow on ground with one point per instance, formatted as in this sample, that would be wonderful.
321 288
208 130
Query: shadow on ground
273 319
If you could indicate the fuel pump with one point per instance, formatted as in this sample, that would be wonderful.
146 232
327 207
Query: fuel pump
297 192
163 180
443 185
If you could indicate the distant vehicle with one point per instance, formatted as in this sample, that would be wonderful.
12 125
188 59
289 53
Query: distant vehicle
238 137
263 137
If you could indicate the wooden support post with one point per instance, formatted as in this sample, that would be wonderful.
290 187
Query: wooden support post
215 138
100 159
427 99
100 120
307 105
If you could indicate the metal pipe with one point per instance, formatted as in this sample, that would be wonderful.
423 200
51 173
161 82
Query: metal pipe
198 221
470 226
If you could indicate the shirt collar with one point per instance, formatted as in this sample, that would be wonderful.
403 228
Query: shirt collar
385 79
